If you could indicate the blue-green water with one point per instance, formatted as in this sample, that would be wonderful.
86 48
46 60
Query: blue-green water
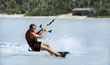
88 41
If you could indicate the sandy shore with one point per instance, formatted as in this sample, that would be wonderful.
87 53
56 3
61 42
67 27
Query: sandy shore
67 16
63 16
14 15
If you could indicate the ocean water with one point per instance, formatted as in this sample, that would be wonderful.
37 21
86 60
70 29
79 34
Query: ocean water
87 40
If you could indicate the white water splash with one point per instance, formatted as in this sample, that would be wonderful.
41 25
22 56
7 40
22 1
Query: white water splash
66 43
12 48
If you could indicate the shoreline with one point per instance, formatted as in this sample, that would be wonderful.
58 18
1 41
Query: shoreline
63 16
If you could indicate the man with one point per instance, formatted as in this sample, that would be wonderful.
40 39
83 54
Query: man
31 37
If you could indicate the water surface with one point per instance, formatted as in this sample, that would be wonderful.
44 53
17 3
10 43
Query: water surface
88 41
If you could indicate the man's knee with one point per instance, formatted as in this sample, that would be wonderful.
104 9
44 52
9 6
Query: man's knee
46 44
48 49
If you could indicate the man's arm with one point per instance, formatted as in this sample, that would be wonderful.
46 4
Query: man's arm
39 36
39 31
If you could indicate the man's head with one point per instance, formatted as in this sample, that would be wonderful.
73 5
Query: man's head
32 27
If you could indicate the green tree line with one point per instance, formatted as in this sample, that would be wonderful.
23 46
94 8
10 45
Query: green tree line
52 7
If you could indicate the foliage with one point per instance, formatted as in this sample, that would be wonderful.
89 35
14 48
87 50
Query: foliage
52 7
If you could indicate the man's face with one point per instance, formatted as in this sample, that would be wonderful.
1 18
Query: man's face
33 28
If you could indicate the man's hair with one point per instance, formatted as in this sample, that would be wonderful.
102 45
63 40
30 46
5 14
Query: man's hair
31 26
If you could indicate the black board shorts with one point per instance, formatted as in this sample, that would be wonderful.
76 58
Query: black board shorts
37 47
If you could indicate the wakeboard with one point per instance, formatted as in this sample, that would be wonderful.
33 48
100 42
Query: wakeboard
64 53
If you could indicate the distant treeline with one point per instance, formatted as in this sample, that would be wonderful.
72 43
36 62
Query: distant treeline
52 7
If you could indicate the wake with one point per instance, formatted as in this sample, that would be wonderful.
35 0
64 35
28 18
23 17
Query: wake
65 43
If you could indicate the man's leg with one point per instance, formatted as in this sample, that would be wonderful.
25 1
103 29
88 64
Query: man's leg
45 46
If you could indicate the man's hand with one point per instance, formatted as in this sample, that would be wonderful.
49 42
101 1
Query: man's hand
44 29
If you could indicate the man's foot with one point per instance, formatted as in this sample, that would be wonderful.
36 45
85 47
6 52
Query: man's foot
62 54
52 54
